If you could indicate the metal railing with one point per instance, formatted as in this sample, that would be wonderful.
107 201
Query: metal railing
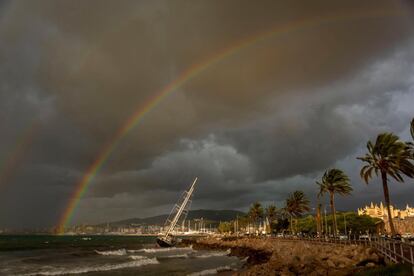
394 251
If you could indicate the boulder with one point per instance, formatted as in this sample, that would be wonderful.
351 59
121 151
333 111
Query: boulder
330 263
342 260
321 271
308 259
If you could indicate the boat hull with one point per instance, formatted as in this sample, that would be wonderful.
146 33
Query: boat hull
162 242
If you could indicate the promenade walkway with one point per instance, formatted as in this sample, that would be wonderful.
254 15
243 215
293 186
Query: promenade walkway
392 250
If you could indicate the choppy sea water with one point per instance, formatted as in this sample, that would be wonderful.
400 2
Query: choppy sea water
106 255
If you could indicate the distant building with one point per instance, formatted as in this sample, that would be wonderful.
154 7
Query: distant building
381 212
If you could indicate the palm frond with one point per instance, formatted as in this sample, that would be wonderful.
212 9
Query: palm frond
412 128
389 155
297 204
335 181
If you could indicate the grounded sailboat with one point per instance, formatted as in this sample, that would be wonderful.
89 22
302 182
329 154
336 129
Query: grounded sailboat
179 212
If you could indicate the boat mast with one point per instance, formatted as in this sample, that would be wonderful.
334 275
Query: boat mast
181 209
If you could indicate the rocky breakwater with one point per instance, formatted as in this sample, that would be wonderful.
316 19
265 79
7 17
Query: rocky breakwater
267 256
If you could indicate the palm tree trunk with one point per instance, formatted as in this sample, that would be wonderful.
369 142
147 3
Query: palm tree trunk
333 213
387 201
271 219
254 225
318 219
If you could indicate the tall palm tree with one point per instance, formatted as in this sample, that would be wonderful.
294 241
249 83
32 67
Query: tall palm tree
411 145
319 219
334 181
271 212
389 156
255 212
412 128
296 205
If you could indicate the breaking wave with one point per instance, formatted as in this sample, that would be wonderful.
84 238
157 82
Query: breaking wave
211 271
178 256
120 252
134 250
108 267
157 250
214 254
137 257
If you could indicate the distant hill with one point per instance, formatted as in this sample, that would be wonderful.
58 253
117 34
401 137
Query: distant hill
208 215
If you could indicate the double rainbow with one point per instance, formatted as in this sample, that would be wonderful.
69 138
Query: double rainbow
185 77
11 162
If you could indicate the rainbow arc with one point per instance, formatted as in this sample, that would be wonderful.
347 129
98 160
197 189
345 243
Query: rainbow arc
185 77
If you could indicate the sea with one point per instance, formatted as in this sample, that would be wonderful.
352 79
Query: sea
107 255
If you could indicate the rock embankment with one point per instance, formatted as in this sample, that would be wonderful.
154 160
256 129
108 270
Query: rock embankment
282 257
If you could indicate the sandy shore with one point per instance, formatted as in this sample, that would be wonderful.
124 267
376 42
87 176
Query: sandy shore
270 256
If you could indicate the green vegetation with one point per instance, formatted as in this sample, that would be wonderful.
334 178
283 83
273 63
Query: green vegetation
255 213
271 214
306 224
281 225
354 223
333 182
225 227
296 205
388 157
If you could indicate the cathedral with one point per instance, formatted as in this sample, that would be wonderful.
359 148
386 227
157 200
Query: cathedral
381 211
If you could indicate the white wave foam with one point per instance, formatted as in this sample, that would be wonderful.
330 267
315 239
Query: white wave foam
134 250
178 256
63 271
244 259
120 252
211 271
137 257
214 254
157 250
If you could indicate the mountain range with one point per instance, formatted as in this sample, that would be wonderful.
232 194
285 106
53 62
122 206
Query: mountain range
210 216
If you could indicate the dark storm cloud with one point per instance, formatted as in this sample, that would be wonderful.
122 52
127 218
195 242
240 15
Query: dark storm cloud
255 126
329 126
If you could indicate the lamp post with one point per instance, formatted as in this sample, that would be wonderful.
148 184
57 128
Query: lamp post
321 222
345 223
326 222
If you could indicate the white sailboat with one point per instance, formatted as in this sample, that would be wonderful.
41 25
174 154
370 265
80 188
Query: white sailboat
179 211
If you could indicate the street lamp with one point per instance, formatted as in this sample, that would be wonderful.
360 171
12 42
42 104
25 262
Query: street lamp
345 223
326 222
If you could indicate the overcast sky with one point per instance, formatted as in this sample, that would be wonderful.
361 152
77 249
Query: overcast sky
261 123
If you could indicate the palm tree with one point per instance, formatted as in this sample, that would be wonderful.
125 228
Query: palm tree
271 212
255 212
296 205
319 219
410 144
389 156
412 128
334 181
